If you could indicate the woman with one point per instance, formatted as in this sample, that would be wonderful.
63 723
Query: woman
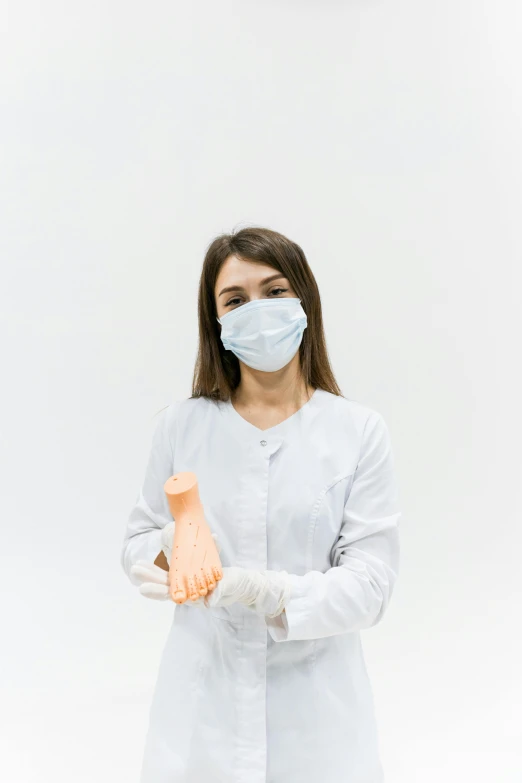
264 680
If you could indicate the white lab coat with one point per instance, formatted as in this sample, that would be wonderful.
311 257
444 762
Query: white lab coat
241 698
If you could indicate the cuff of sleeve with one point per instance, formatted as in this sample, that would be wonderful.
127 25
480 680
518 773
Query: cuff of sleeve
285 627
148 551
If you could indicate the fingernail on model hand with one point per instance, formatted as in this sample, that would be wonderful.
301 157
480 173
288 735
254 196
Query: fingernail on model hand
195 565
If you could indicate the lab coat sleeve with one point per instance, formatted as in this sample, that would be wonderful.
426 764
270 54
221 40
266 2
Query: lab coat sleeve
150 513
355 592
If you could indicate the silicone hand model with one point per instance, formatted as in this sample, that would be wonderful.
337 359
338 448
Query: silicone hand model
266 592
195 567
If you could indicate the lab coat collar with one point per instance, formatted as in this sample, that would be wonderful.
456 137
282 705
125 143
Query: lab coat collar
271 439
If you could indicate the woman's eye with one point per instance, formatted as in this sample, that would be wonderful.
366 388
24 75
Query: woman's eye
236 299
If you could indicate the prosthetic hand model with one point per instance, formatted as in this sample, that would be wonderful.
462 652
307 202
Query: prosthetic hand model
194 567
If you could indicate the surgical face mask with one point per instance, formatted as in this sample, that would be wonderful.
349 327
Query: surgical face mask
264 333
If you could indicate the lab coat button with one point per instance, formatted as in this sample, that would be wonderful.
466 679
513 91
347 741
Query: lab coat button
263 442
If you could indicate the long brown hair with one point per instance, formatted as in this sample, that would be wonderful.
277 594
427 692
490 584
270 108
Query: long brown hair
217 371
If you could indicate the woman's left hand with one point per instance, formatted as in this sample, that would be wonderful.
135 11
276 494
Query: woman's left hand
267 592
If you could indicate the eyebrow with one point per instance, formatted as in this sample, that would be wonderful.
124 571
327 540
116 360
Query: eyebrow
240 288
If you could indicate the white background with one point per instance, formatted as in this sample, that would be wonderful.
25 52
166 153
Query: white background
384 138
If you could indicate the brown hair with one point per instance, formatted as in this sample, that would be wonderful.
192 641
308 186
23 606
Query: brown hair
217 371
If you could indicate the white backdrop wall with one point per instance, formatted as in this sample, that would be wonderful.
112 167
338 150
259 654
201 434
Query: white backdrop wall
383 137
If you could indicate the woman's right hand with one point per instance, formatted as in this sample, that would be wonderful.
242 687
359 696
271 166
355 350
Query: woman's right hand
167 538
154 582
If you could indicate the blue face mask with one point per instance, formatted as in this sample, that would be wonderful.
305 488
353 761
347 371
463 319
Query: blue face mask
265 334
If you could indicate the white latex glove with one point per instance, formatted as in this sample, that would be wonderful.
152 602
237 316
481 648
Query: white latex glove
266 592
167 537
